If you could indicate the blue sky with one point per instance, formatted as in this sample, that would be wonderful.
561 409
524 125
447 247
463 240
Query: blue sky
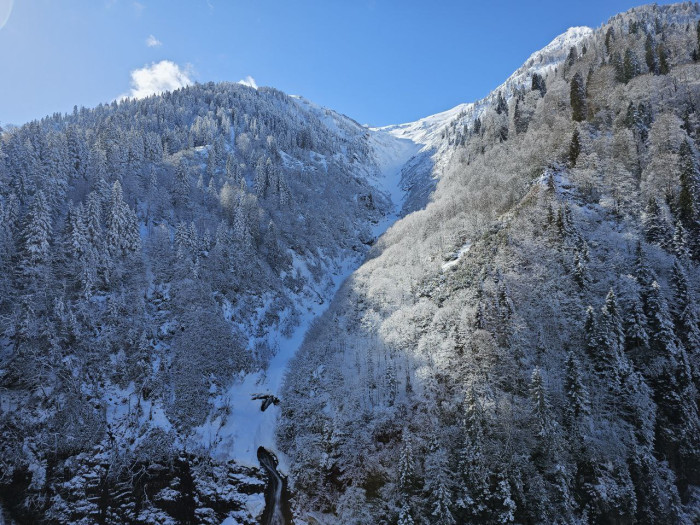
380 62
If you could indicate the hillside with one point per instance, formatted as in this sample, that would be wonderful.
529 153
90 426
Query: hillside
524 349
163 258
225 304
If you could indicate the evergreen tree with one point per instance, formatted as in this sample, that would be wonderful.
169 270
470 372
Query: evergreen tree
538 84
36 235
181 186
122 226
437 476
655 231
441 499
502 502
686 204
501 104
212 193
541 407
631 67
574 148
650 55
661 331
636 329
685 315
578 98
670 375
619 67
76 234
679 243
473 488
579 270
608 358
577 398
609 38
405 517
519 120
407 474
664 67
261 178
590 332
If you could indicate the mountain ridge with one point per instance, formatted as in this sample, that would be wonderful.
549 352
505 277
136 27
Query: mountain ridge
389 292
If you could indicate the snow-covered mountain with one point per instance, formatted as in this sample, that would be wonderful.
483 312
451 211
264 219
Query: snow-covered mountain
500 356
398 316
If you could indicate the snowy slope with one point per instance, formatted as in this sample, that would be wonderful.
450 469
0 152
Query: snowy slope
395 149
247 427
428 131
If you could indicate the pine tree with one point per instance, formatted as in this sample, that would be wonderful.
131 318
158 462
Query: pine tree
653 221
630 66
618 66
502 502
122 227
579 270
650 54
608 359
645 277
577 398
94 220
405 517
36 235
211 190
685 315
661 331
636 329
574 148
519 120
664 67
687 212
261 178
609 38
407 474
578 98
670 375
181 186
76 235
538 84
679 243
541 407
441 499
473 492
501 104
590 332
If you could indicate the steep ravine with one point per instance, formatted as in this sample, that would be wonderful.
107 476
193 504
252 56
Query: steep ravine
252 416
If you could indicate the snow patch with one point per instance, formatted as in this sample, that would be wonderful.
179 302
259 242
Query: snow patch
457 256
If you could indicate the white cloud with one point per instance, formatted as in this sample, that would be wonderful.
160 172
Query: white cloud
152 41
156 78
249 81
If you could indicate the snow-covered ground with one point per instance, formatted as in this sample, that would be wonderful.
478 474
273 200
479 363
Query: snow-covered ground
391 155
428 131
239 426
457 256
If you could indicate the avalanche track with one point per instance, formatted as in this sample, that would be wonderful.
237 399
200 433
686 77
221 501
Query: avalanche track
253 414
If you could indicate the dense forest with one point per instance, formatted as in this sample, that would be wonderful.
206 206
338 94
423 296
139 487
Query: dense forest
153 252
522 345
525 349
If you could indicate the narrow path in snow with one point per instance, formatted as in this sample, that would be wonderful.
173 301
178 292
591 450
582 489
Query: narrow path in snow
246 427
